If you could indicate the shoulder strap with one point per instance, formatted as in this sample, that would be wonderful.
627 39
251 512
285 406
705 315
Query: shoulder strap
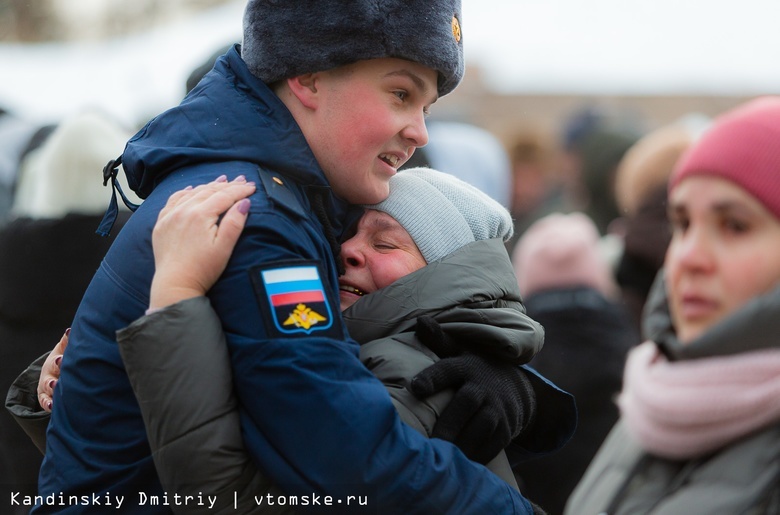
109 173
279 192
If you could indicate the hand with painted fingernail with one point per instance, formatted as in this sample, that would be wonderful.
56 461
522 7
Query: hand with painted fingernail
194 236
50 373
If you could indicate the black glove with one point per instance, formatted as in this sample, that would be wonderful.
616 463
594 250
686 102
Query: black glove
493 402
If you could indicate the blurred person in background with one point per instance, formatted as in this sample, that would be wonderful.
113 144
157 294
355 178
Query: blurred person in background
537 188
48 254
470 153
15 134
594 139
699 431
640 192
601 153
569 288
202 69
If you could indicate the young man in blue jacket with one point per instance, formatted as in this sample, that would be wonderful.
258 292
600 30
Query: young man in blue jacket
319 106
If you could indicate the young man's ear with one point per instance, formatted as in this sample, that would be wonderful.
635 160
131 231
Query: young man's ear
304 87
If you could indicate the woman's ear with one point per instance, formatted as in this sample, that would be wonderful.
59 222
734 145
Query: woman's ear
304 88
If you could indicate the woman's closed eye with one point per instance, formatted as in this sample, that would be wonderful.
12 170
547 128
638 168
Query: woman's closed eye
385 246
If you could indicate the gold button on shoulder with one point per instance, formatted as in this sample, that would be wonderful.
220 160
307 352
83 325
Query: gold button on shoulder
456 29
278 181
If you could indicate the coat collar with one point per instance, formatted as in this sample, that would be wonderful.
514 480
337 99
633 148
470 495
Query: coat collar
230 116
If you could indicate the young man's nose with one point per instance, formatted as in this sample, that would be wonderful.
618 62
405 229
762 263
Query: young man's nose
416 132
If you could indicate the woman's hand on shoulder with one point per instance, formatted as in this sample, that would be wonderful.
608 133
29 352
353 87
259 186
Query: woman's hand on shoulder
194 237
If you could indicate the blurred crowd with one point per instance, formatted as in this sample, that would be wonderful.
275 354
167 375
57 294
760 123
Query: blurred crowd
52 202
591 234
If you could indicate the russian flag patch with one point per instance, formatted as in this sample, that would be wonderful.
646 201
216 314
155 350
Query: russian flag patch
294 299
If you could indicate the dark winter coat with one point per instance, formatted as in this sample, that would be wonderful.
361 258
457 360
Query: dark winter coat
45 267
587 338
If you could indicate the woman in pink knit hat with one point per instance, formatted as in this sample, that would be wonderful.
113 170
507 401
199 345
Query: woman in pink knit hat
700 408
568 286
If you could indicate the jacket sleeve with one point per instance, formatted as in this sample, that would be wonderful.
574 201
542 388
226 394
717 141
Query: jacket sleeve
556 421
22 403
315 419
178 366
395 361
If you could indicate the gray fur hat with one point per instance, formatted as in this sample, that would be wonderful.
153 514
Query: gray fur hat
284 39
443 213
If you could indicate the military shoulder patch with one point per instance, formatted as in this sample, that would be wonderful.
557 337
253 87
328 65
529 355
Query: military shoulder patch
294 301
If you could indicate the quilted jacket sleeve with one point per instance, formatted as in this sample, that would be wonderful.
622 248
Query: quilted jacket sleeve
179 368
22 403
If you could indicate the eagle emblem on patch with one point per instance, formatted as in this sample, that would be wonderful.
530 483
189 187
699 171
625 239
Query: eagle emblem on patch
305 317
294 299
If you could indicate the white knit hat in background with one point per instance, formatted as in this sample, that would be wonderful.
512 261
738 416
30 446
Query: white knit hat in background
65 174
443 213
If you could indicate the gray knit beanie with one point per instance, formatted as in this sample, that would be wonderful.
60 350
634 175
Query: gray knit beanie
443 213
284 39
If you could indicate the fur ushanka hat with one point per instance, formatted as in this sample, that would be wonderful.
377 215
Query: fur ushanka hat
286 39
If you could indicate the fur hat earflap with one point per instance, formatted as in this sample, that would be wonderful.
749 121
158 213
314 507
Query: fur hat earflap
287 39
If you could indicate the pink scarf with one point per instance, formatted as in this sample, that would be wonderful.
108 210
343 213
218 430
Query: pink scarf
685 409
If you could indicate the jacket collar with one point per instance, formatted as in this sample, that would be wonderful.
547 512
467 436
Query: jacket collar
230 116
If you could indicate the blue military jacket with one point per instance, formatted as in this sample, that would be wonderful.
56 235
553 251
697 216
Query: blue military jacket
313 417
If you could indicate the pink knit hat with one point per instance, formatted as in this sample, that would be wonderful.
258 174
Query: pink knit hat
743 146
561 251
